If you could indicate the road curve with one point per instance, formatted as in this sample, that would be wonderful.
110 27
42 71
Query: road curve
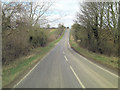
64 68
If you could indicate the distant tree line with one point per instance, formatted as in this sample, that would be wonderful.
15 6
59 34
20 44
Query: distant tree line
96 27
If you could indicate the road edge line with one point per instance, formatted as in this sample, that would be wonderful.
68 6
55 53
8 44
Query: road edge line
32 69
97 65
14 86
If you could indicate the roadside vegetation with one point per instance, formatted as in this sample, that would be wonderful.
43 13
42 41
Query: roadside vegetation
95 32
22 65
24 39
110 61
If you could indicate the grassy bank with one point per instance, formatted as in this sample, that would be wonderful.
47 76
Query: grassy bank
110 61
15 69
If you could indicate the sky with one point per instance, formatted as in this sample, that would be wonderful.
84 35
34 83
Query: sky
65 11
61 12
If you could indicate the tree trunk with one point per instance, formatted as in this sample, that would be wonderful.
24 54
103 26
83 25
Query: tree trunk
119 34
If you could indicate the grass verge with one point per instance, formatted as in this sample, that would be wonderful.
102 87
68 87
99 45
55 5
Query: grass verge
15 69
109 61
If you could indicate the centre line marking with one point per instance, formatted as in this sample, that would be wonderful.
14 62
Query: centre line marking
77 77
66 58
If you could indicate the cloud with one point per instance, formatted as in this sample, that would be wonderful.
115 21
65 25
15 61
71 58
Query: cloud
66 9
62 11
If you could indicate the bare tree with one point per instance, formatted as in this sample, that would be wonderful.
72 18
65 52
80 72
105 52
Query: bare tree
100 22
32 13
12 12
119 27
38 10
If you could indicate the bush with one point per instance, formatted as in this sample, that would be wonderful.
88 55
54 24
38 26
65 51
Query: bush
109 48
18 43
15 44
104 45
39 38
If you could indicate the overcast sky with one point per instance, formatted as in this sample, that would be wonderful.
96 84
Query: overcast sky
64 11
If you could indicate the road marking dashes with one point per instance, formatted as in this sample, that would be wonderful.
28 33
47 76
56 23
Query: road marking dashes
66 58
77 77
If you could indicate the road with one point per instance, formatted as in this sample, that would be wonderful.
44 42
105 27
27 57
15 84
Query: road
62 67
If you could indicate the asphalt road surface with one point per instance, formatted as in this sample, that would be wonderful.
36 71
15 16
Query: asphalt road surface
62 67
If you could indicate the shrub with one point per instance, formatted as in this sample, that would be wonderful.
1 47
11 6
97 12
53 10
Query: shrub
104 45
15 43
39 38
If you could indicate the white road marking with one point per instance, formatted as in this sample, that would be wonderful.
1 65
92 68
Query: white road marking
104 69
26 75
66 58
34 66
31 70
81 84
99 66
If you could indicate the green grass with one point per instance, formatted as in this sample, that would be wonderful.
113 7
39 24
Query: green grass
12 71
110 61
